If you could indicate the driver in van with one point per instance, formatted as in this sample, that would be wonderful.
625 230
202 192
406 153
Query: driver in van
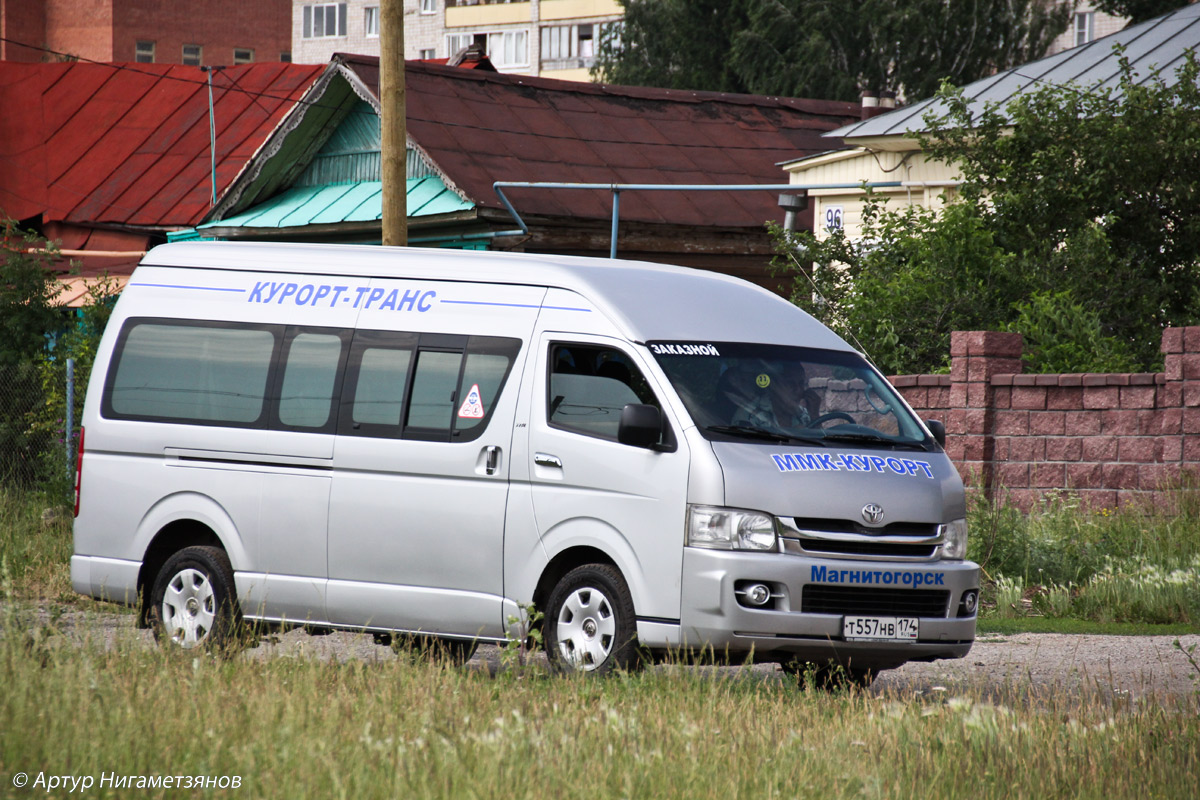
773 398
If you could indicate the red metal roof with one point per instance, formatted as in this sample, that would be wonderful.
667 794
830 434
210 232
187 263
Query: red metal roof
128 144
481 127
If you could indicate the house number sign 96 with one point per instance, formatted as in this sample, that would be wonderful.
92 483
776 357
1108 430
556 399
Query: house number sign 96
833 217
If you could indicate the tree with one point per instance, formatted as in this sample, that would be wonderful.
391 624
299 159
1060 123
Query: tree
1075 226
27 288
674 44
822 49
1139 10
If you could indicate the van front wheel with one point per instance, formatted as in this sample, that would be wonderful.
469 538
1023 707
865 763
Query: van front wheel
193 602
590 623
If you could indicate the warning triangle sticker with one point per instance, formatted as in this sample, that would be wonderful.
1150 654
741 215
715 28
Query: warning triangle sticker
472 407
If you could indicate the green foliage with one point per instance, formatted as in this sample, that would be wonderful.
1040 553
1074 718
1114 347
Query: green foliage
1138 10
27 288
822 49
1075 226
79 341
1093 191
914 277
523 638
1129 564
1065 336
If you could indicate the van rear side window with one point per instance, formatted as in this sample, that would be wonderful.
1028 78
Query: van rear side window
387 384
197 372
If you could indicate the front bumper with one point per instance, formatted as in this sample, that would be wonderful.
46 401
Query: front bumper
714 617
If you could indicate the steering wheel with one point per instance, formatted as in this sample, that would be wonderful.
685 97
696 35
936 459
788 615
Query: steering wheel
821 420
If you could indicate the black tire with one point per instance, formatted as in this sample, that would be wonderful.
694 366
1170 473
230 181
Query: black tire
590 624
829 676
194 601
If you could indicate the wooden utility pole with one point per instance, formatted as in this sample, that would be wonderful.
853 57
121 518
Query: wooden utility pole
394 129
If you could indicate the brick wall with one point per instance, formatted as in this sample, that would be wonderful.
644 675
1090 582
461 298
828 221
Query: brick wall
1110 438
108 30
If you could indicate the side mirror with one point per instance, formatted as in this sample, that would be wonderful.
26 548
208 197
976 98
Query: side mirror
641 425
938 430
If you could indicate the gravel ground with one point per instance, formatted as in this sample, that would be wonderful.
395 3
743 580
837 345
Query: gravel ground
1119 668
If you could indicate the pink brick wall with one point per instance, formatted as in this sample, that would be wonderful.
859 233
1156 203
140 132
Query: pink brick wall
1111 439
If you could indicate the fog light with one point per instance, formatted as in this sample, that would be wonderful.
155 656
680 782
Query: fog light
970 602
757 594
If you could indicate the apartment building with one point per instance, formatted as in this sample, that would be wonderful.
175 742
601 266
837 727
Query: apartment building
198 33
547 38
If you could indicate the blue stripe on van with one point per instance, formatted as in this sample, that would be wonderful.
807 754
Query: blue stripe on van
511 305
198 288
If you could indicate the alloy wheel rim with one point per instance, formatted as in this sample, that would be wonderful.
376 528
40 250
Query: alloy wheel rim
189 608
586 629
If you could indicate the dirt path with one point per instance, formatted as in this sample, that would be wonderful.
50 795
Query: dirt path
1125 668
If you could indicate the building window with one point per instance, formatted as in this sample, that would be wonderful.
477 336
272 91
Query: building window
509 48
192 54
568 41
324 20
371 21
143 53
503 48
285 57
1084 32
428 6
243 55
428 53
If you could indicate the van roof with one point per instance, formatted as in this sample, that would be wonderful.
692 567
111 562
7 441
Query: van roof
647 301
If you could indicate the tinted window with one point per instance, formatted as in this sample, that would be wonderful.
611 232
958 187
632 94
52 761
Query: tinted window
379 393
435 385
191 372
424 386
590 386
310 374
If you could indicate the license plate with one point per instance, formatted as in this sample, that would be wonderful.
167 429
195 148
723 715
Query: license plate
902 629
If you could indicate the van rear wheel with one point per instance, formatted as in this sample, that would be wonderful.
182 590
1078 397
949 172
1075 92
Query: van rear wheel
194 602
590 624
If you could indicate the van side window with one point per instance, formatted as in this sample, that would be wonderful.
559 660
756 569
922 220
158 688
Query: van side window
376 383
489 360
313 363
197 372
433 387
590 386
435 384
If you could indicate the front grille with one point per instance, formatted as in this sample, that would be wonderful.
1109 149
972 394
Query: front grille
867 548
850 526
863 542
821 599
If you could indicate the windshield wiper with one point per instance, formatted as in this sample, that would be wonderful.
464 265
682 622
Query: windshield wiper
874 438
751 432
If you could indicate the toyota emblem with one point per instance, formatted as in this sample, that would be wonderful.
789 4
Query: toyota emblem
872 513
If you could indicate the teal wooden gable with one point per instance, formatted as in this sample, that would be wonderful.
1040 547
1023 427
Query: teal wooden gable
338 194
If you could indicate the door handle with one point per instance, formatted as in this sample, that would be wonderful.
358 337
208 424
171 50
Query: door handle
492 460
546 460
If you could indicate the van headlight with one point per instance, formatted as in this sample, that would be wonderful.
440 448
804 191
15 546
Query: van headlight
954 539
719 528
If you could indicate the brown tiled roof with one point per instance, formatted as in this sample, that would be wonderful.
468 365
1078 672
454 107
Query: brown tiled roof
480 127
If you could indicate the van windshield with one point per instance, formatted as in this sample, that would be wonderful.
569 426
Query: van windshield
776 393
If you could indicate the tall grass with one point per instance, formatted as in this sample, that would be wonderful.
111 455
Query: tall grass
36 545
1127 564
299 728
